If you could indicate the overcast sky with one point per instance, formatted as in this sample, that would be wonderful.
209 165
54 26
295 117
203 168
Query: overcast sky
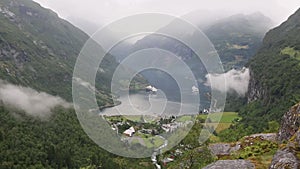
105 11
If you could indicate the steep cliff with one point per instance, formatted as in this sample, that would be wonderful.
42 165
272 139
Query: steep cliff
274 84
290 124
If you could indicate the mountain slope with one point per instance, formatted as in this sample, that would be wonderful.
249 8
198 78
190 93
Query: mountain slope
39 50
236 39
275 69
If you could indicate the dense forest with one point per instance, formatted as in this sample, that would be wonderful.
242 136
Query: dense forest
57 142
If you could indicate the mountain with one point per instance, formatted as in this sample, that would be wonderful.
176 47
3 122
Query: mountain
236 38
274 70
87 26
39 50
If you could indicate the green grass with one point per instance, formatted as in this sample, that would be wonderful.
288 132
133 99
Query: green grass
219 126
226 117
219 122
184 118
153 142
134 118
291 52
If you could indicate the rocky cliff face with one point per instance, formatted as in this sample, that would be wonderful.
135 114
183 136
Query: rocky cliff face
290 124
289 133
255 90
284 159
270 61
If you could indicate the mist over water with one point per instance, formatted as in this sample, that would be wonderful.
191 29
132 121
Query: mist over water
152 105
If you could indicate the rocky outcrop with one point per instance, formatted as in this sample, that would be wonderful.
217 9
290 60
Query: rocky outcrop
297 137
290 123
231 164
265 136
285 159
223 149
289 133
255 90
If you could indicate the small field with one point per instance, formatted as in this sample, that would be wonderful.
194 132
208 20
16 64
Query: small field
225 120
219 126
226 117
184 118
291 52
151 142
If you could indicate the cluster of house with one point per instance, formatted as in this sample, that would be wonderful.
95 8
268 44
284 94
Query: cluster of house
131 131
170 127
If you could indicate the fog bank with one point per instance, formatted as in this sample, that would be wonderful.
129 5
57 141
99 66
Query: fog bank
236 81
29 100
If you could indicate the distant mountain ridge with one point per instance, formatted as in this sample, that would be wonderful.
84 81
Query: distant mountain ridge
236 39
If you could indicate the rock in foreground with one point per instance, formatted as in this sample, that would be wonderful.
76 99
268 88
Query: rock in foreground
231 164
284 159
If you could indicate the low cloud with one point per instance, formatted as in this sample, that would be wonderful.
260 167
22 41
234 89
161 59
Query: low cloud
85 84
236 81
29 100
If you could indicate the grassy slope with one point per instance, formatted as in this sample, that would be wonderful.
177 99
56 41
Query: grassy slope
227 117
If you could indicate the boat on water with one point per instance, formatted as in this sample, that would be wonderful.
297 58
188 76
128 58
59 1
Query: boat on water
151 89
195 89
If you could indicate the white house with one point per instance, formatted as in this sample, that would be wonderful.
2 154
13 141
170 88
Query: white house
129 132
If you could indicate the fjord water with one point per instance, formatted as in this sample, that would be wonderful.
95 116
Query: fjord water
157 105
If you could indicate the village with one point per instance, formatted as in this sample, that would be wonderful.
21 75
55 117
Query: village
140 126
138 130
150 131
